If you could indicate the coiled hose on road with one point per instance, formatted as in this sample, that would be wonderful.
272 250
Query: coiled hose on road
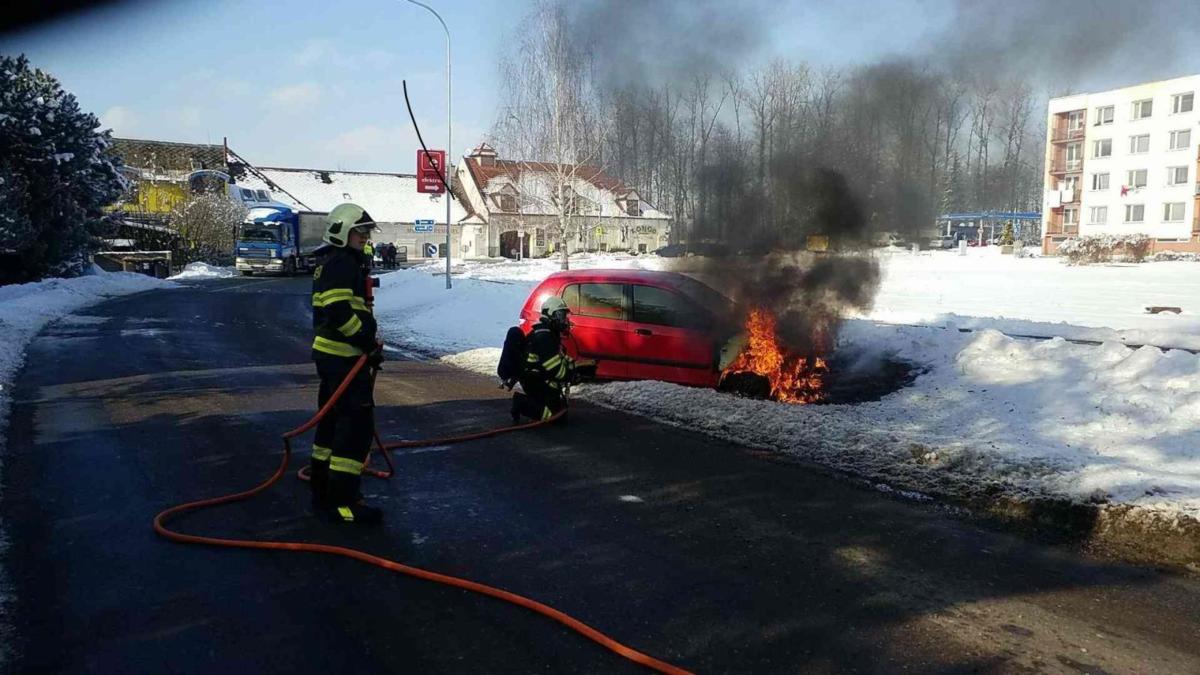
570 622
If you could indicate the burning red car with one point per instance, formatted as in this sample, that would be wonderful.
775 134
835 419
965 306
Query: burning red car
645 325
641 325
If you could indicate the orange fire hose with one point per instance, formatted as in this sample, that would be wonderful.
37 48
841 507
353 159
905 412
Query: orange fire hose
570 622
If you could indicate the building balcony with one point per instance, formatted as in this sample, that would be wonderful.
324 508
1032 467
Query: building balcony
1066 135
1067 166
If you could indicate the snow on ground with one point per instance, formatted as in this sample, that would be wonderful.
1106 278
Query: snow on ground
1028 417
1042 296
24 309
199 270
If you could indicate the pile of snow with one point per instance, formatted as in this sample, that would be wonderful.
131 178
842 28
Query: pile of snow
1027 417
199 270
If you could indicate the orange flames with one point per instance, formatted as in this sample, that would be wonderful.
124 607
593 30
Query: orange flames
793 378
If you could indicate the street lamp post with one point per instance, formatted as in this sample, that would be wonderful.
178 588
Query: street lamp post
449 137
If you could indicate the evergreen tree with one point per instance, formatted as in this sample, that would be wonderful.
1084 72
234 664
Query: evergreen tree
56 175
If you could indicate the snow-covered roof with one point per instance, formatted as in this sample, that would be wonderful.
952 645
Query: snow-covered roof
388 197
536 180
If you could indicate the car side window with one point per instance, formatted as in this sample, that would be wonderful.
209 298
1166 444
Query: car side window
663 308
606 301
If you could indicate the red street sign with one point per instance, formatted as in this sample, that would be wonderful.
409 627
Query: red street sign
428 166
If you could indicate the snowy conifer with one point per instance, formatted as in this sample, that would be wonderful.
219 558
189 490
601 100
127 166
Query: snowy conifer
56 175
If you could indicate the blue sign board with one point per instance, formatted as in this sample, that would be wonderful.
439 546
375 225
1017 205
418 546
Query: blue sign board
422 228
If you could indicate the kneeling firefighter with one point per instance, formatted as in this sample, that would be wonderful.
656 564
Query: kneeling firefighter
345 330
547 370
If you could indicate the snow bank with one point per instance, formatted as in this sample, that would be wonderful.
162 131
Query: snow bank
199 270
415 309
1029 418
1042 296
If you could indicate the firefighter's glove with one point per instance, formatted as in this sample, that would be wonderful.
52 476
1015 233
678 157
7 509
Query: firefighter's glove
375 358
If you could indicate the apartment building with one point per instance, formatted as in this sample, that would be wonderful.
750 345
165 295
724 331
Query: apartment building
1125 161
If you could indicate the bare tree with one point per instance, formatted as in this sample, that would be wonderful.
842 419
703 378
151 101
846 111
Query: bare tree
551 120
206 224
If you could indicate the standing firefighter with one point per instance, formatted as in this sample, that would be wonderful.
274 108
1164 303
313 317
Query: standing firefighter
547 370
345 330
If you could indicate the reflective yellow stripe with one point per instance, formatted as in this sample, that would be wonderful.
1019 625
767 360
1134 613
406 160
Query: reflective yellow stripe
546 413
334 347
346 513
345 465
359 303
321 453
552 361
329 297
532 358
350 327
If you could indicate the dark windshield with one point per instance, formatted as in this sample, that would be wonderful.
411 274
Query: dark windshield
259 232
711 299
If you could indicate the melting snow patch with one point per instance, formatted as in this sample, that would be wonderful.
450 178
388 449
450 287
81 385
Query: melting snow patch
632 499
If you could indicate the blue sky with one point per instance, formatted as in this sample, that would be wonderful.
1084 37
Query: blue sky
317 84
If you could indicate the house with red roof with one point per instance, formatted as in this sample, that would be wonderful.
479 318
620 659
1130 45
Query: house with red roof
531 208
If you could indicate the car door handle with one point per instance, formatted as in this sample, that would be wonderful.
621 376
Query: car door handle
643 331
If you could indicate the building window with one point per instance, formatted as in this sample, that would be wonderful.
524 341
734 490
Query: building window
1070 216
539 237
1075 120
1177 175
633 208
1136 178
508 203
1180 140
1104 115
1100 148
1143 109
1098 215
1100 181
1173 212
1182 103
1135 213
1139 145
1071 183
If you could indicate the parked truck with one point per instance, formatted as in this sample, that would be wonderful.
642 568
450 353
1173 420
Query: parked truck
278 239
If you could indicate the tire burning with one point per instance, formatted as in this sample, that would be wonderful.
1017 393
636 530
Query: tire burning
792 377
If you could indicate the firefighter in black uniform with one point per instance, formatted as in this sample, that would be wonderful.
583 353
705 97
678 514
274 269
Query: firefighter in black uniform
345 330
547 371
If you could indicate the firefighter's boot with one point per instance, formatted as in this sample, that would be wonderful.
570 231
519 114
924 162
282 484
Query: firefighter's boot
345 503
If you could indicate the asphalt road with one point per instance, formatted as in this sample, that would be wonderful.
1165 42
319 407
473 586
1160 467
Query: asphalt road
697 551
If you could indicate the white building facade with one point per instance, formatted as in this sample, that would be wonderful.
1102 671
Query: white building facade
517 200
1125 161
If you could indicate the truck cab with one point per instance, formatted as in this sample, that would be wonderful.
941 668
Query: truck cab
266 242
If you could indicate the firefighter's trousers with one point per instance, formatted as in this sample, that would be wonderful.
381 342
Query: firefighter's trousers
343 436
540 400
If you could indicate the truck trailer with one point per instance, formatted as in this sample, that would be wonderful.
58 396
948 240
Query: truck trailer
278 239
